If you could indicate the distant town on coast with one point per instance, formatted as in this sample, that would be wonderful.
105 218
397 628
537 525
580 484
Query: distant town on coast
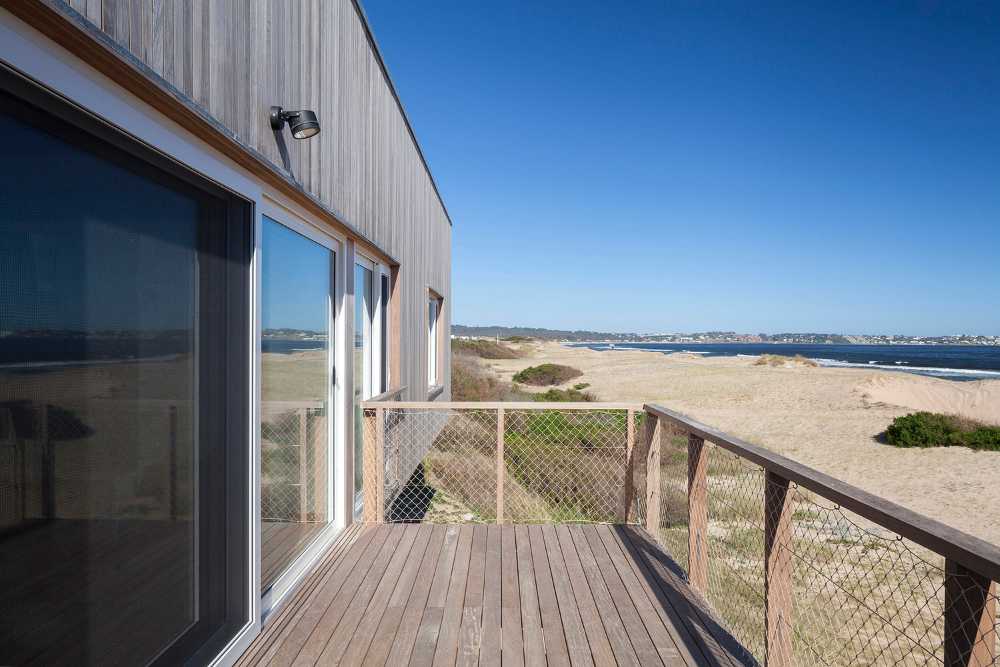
716 337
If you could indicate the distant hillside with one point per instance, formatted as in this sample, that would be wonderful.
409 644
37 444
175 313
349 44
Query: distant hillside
724 337
543 334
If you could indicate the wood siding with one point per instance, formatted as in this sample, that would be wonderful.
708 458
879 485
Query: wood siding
235 58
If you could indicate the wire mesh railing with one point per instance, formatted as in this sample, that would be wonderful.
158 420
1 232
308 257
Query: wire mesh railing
514 463
799 567
803 569
293 461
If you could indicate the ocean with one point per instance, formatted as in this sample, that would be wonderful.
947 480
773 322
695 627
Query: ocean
24 353
953 362
284 346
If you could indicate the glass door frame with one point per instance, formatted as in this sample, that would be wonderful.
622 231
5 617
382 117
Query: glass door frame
299 222
378 270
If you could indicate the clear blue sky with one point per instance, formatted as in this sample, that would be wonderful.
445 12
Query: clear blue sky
678 166
295 281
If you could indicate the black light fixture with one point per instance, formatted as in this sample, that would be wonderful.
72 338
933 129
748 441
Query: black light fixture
303 123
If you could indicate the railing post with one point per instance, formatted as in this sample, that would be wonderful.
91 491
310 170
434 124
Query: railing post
172 445
48 464
698 514
778 570
628 488
379 465
970 636
653 435
303 464
368 475
501 468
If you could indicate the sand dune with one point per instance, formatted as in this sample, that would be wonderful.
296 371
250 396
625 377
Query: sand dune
978 400
828 418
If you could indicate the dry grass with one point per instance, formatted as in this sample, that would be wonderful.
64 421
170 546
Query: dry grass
471 381
779 360
484 349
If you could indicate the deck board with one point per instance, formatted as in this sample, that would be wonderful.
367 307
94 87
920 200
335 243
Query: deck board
470 632
491 595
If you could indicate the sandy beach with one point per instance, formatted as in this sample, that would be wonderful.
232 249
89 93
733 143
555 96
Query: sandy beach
827 418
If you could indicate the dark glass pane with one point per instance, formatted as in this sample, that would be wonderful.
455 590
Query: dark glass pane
102 315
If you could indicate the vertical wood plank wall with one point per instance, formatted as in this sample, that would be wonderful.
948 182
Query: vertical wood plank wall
235 58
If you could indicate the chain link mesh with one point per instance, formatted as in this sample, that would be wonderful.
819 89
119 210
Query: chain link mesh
859 593
293 466
559 465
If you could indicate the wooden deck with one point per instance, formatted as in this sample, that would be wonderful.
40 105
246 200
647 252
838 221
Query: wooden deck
434 594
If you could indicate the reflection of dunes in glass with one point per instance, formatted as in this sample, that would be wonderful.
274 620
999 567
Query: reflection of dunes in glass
96 508
294 493
293 461
97 442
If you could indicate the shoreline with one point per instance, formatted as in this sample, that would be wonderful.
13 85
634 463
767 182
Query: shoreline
955 373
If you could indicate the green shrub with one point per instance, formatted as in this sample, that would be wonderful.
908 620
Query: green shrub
928 429
546 375
565 396
581 386
483 348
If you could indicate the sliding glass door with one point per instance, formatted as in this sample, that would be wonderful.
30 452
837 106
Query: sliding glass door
296 396
371 351
123 397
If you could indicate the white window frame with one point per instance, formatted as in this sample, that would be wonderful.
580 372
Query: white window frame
382 330
369 386
433 338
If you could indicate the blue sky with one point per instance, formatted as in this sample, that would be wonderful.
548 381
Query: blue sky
295 281
678 166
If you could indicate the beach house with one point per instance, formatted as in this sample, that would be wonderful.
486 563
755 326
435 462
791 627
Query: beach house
226 433
218 237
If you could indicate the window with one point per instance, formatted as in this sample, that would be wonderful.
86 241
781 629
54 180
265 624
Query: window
124 363
383 306
364 311
433 335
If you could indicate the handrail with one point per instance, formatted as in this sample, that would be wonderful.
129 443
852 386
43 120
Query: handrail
293 405
434 391
512 405
385 396
972 552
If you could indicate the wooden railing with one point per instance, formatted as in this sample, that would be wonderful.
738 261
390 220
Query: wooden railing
802 567
971 566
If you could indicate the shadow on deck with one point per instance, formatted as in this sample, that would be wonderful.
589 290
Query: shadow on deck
489 594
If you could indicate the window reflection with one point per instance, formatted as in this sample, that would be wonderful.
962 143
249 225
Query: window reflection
103 262
295 383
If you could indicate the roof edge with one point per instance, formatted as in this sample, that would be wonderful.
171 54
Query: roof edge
395 95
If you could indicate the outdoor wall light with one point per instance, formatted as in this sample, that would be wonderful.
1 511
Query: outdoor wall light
303 124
